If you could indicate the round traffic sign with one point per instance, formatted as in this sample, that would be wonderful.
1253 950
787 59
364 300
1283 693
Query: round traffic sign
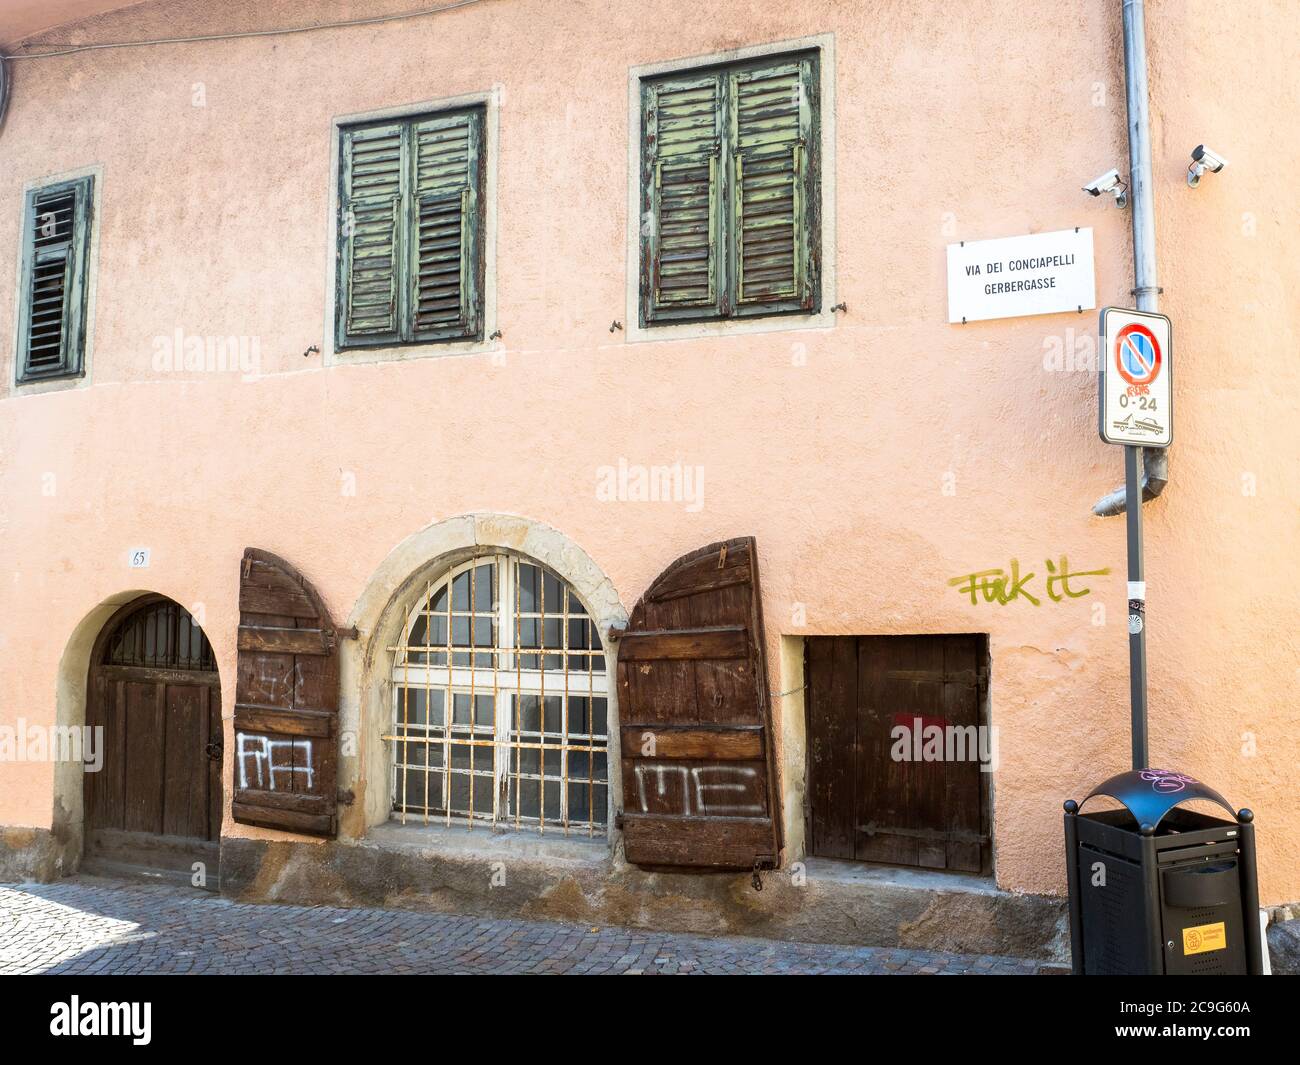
1137 354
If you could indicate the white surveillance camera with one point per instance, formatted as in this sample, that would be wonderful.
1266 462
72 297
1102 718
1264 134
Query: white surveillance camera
1109 182
1203 161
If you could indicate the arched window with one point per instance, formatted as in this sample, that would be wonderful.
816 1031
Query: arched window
160 635
506 646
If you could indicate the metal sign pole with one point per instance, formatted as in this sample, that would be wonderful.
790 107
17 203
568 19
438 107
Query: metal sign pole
1137 629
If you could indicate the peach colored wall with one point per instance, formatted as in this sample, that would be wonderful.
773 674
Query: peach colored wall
954 122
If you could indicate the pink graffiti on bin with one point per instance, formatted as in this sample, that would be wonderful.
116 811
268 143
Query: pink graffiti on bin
1167 781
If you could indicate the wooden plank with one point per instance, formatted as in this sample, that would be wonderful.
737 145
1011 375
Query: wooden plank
165 676
704 575
280 800
706 744
289 820
698 842
184 772
143 768
283 641
272 597
685 644
832 694
287 722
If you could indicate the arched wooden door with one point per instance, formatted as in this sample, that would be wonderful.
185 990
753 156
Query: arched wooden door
154 691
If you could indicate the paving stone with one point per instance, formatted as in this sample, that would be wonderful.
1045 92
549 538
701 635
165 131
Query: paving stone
96 925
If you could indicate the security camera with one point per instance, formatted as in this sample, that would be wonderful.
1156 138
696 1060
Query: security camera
1204 160
1109 182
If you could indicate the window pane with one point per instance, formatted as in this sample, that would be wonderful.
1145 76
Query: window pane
529 595
484 587
460 591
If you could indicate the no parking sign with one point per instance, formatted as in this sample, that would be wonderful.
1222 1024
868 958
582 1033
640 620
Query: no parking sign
1136 405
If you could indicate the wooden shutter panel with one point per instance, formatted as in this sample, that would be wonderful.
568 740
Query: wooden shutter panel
370 236
445 255
699 785
772 258
286 701
52 319
682 201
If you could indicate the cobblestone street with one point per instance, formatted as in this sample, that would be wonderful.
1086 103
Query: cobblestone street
88 925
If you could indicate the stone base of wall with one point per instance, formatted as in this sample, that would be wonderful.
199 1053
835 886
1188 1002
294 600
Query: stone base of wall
826 902
35 854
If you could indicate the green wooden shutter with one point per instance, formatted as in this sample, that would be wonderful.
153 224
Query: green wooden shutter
772 258
682 200
56 255
445 254
373 183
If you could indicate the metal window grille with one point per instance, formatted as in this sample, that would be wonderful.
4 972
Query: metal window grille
500 702
160 635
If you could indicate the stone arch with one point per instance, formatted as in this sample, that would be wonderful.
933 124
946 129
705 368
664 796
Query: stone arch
84 642
379 615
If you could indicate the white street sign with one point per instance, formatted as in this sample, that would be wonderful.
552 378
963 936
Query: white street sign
1136 379
1043 273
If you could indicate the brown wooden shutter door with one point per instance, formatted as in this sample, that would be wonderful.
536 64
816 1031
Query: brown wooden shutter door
699 784
286 701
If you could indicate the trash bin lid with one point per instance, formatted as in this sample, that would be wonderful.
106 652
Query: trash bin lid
1149 794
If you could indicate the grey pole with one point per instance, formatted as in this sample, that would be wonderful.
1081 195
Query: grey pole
1147 293
1137 626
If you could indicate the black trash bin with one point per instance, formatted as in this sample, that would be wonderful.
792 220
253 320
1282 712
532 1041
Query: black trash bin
1155 889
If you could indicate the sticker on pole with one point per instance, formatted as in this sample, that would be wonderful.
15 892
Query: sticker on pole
1136 403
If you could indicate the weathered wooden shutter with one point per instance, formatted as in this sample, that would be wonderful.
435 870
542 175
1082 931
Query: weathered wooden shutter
286 701
373 185
682 198
445 256
772 226
699 783
52 317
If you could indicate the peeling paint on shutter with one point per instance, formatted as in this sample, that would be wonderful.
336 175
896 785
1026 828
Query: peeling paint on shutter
286 701
411 235
445 254
370 230
682 199
730 191
699 779
52 315
772 134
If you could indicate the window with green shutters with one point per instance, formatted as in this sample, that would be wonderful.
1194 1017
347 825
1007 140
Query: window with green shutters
410 252
55 281
730 197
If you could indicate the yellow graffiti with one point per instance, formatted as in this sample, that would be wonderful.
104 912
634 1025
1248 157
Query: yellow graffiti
1002 586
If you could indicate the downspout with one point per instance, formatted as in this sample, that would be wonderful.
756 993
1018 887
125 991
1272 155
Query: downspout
1155 461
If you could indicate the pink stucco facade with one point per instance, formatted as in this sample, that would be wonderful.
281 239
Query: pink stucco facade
875 453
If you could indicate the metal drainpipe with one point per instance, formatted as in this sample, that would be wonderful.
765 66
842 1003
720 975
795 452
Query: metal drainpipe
1155 461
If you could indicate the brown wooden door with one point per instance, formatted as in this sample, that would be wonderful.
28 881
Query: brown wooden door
153 689
867 802
699 784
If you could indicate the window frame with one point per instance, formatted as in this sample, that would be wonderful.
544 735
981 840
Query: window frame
727 303
74 342
482 221
479 680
